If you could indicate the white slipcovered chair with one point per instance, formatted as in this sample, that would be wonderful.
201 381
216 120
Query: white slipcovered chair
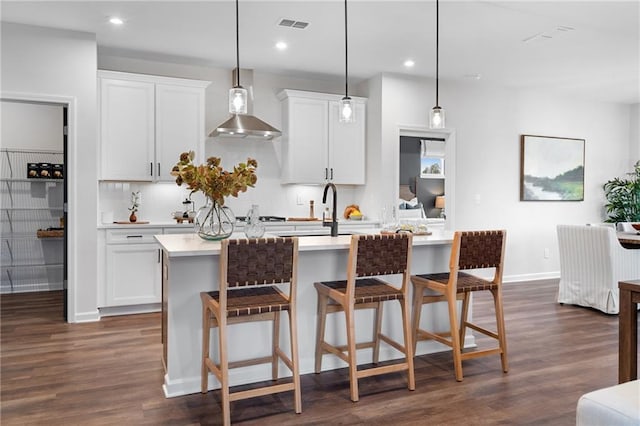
592 261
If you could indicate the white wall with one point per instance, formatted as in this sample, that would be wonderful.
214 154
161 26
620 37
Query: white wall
488 122
31 126
634 136
61 64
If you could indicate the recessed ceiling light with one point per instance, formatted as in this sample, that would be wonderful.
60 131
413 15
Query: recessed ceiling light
281 45
116 21
409 63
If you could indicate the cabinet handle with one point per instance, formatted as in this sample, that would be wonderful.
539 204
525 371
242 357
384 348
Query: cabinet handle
158 169
151 168
134 236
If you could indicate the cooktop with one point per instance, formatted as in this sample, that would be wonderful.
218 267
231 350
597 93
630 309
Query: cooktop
263 218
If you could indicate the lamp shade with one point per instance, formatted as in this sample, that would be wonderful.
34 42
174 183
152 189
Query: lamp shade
440 202
436 118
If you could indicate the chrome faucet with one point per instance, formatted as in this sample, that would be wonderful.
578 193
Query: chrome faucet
334 217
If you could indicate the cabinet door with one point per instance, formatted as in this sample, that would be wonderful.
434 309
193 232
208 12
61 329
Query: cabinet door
133 274
126 129
306 134
347 146
179 126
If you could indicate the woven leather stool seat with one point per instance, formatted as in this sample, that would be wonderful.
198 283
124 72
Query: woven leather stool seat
367 290
466 282
253 301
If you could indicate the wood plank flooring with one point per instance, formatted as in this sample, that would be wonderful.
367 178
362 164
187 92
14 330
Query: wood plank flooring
109 373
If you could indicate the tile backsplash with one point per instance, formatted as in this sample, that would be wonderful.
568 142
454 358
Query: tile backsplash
159 200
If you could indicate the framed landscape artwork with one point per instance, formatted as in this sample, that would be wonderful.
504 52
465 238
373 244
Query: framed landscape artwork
551 168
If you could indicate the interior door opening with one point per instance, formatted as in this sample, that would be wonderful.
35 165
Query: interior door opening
34 198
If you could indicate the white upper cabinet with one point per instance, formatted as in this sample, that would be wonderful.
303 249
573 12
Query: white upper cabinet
316 147
127 129
146 122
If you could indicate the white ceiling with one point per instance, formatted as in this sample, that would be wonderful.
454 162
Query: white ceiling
599 59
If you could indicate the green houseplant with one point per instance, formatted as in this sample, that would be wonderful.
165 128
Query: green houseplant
623 197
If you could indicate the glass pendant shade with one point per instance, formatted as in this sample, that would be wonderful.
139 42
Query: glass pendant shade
346 110
238 100
436 119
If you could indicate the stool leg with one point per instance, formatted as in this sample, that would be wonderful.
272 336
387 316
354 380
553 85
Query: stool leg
224 371
294 360
351 345
455 336
415 315
502 337
275 346
322 319
206 332
463 317
377 329
408 345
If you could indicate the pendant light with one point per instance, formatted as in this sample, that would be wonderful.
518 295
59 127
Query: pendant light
346 104
237 94
242 124
436 119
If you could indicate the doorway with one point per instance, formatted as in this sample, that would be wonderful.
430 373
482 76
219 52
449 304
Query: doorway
34 197
427 169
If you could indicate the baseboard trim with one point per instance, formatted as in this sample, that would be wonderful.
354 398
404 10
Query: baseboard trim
130 310
93 316
531 277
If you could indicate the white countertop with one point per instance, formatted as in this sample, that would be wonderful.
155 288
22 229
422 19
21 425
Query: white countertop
190 244
174 224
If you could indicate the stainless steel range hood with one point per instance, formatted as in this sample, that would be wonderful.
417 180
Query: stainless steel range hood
246 125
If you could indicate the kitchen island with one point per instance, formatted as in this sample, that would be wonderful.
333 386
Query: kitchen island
190 265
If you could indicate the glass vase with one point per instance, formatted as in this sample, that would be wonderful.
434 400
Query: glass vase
214 222
254 228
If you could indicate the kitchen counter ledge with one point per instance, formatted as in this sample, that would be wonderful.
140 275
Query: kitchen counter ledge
179 245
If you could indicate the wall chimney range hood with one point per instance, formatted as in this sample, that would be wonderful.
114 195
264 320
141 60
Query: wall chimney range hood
246 125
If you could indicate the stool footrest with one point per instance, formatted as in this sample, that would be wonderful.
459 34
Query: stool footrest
267 390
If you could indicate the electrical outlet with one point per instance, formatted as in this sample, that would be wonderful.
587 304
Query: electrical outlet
546 253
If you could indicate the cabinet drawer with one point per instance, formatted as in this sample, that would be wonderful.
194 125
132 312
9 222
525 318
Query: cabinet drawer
132 236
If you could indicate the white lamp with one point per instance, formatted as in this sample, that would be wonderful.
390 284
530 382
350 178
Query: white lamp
439 204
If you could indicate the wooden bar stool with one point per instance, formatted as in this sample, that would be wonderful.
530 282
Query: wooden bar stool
249 272
369 256
470 250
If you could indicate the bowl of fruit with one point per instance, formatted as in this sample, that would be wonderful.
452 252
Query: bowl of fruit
352 212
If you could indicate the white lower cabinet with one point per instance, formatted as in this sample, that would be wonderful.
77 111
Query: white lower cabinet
132 267
133 274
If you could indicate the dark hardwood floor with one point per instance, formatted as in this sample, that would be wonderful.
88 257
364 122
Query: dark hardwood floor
109 373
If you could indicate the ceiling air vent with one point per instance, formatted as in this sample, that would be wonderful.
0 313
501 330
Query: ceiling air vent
293 24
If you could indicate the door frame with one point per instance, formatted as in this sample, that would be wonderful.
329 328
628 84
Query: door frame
70 103
449 136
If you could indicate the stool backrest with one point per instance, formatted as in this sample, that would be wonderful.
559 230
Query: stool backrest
382 254
259 261
479 249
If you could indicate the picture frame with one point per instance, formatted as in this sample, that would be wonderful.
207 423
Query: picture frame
432 167
551 168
